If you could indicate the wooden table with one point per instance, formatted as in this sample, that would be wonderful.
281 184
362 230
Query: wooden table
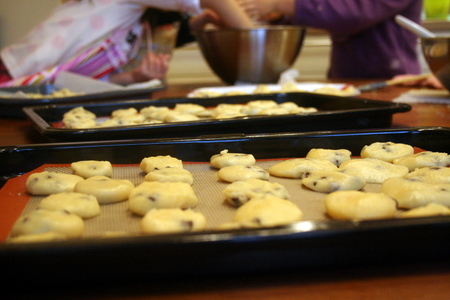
415 280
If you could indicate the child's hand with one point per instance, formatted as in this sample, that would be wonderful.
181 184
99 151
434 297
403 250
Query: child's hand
430 81
208 16
152 66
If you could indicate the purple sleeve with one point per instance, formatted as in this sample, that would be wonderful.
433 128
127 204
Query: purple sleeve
347 17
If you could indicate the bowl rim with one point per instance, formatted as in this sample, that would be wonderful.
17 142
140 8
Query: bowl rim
259 28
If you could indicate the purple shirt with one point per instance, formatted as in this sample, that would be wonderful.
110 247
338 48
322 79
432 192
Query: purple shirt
367 42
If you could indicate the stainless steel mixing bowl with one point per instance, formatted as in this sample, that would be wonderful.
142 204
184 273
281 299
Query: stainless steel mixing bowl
437 54
256 55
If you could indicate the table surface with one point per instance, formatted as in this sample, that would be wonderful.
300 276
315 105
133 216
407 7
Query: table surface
415 280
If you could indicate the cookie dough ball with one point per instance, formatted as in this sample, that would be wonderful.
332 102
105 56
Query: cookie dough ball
78 122
337 156
296 167
46 183
431 174
386 151
274 111
374 170
90 168
290 87
240 192
172 220
170 175
410 193
430 210
240 172
330 181
356 205
123 112
225 159
42 220
38 237
424 159
256 106
80 112
189 108
83 205
262 89
291 107
175 116
155 112
226 110
159 162
267 211
153 194
105 189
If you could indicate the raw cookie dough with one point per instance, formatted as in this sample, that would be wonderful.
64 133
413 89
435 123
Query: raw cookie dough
374 170
386 151
153 194
83 205
46 183
330 181
296 167
225 159
240 172
79 117
172 220
356 205
267 211
431 174
432 209
42 220
240 192
170 175
90 168
424 159
38 237
159 162
410 193
256 106
105 189
337 156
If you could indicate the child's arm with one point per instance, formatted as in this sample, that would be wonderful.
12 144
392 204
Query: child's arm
229 11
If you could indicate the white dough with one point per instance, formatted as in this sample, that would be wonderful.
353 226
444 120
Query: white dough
240 192
154 194
172 220
356 205
386 151
42 220
267 211
46 183
296 167
105 189
90 168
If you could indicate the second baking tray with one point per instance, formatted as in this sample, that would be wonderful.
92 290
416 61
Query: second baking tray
335 113
146 259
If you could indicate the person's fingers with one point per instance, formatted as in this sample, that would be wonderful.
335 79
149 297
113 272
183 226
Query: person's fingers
208 16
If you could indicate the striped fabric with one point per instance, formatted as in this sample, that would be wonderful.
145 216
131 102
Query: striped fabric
95 62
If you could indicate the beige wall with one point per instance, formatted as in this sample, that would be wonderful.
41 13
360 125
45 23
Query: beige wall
17 17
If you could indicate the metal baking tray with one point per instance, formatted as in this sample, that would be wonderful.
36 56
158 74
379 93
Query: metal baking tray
335 113
12 107
303 245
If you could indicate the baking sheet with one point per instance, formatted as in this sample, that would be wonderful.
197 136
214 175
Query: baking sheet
12 107
275 88
306 244
335 113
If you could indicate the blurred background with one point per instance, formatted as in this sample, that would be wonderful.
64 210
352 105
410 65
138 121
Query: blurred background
17 17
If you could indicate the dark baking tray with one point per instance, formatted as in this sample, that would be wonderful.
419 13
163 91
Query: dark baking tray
335 113
296 247
12 107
